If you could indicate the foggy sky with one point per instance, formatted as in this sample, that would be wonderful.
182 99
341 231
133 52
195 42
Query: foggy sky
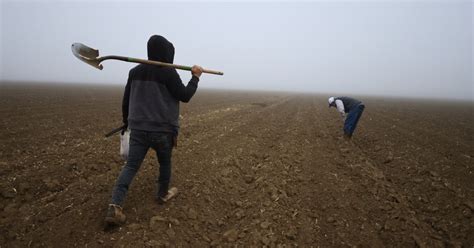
396 48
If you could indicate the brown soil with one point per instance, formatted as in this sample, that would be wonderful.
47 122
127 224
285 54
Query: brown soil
253 169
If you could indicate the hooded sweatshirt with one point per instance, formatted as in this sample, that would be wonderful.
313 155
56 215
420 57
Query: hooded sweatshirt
152 94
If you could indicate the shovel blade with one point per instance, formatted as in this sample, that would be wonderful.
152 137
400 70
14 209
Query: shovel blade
86 54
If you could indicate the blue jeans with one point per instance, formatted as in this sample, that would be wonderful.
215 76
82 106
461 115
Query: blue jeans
352 118
140 142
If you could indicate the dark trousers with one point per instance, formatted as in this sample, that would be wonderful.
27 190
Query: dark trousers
140 142
352 119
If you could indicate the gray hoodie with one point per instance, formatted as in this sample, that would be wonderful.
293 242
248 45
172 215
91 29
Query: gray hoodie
152 94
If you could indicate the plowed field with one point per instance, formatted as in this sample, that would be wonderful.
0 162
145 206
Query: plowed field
253 169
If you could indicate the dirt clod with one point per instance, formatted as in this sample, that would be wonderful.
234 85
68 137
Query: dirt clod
231 235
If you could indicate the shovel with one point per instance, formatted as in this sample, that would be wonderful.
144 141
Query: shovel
116 130
91 57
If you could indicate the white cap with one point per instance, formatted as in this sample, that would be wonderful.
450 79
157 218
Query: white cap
330 100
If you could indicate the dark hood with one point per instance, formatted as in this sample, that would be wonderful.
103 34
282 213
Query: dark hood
160 49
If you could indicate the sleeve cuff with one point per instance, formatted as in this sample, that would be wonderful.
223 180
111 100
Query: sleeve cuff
195 79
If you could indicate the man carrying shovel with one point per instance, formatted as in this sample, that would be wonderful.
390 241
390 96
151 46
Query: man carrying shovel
151 110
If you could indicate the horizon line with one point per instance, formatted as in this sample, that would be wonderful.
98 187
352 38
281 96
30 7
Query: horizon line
256 90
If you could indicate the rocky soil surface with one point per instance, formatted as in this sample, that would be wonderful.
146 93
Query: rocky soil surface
254 169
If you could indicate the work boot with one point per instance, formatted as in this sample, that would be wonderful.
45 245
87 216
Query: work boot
347 137
170 195
115 215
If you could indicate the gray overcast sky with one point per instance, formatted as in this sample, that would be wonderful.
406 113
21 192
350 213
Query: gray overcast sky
400 48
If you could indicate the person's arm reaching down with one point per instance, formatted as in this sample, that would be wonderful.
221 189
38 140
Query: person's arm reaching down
340 107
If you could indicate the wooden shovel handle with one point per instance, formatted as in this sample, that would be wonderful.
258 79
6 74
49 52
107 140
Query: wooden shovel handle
150 62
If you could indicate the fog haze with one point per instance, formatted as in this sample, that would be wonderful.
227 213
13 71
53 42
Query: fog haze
394 48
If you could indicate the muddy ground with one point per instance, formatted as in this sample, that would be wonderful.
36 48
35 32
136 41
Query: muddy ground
253 169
